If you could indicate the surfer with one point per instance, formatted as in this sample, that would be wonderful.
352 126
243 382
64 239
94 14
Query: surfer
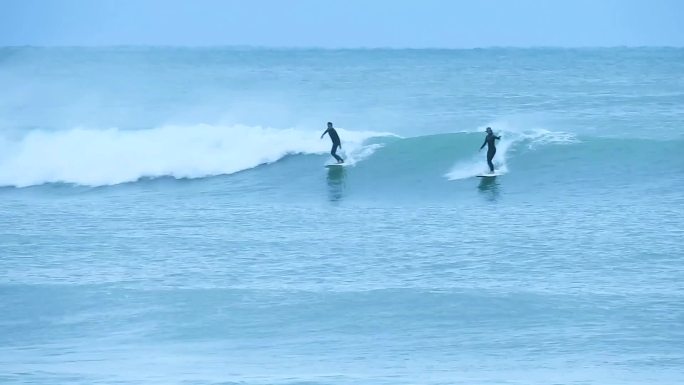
491 147
335 142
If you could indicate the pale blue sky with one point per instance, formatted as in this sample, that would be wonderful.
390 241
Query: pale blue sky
343 23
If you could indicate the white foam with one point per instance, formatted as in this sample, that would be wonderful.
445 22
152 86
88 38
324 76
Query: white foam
510 136
106 157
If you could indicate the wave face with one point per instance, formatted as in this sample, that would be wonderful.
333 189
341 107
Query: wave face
109 157
556 161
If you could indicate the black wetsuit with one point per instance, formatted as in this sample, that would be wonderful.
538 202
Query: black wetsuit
491 149
335 143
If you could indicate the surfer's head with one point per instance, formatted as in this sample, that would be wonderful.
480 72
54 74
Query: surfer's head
488 130
329 124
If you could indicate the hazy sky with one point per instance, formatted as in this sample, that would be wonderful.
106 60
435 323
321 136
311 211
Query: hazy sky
343 23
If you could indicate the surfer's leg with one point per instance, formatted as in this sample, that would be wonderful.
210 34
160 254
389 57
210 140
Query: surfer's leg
333 152
490 156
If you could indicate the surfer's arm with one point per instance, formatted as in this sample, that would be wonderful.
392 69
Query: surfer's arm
498 137
483 144
323 134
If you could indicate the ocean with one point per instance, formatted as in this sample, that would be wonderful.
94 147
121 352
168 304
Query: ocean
166 216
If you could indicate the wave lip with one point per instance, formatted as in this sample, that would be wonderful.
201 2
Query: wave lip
107 157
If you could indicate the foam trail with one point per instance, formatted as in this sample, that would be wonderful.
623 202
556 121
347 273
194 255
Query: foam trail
510 137
107 157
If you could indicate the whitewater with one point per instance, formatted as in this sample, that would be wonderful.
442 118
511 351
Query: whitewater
115 156
166 216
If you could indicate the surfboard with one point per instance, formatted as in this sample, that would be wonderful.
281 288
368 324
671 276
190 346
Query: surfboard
335 165
488 175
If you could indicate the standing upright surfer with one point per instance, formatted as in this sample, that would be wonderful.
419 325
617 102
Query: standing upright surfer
335 142
491 147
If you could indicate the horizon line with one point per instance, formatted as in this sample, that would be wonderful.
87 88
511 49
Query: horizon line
340 48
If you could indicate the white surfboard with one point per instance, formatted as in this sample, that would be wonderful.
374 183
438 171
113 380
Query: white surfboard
332 165
488 175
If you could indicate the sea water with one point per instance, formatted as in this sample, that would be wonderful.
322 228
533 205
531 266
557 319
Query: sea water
166 216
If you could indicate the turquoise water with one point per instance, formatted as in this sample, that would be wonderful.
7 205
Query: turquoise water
166 217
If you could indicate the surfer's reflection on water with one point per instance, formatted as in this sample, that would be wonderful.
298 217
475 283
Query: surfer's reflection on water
489 187
336 183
